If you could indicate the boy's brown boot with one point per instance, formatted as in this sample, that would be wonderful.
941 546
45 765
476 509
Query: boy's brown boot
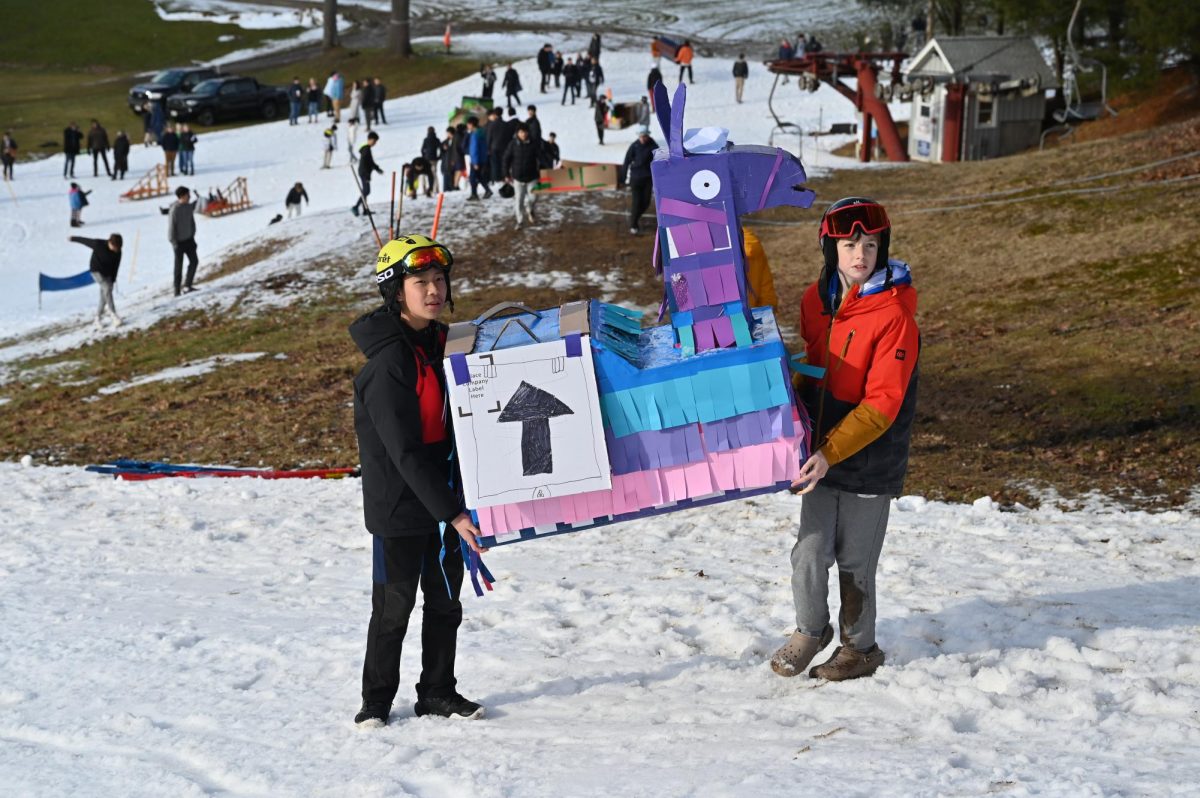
846 663
794 655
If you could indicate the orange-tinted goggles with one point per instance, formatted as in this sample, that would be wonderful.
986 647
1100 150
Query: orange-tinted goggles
426 258
869 218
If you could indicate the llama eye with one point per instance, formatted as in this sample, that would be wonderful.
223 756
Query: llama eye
706 184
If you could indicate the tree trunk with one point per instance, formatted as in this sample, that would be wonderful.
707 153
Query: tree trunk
330 38
930 18
399 41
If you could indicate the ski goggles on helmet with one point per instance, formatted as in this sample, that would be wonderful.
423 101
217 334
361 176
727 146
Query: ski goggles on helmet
870 218
416 261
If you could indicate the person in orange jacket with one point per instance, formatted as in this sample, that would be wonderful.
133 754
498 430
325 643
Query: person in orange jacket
858 325
683 57
759 282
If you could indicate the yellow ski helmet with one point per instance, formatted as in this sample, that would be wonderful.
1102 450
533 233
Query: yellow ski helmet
410 253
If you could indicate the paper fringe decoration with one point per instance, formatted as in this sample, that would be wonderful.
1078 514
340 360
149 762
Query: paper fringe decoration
747 468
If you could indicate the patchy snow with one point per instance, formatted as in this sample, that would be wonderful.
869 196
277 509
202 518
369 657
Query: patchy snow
196 368
245 15
34 229
193 637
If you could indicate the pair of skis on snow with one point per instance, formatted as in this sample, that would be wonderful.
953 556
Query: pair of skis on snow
138 470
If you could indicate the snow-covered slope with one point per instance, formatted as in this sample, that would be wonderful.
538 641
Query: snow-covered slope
34 218
198 637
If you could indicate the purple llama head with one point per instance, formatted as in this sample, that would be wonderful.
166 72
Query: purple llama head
699 196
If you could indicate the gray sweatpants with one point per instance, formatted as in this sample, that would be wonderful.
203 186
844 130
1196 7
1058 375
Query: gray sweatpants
846 528
106 296
525 199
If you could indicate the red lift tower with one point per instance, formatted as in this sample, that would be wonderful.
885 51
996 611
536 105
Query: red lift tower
813 69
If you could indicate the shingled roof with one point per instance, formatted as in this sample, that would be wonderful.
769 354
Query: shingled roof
982 58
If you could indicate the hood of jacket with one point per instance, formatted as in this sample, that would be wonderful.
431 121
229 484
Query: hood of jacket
383 327
899 290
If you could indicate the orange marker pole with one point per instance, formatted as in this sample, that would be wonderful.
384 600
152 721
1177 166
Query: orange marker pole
437 215
393 207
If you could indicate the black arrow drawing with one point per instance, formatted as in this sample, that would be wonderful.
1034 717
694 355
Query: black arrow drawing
534 408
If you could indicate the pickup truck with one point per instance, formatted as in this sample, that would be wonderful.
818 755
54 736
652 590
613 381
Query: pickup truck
227 98
167 83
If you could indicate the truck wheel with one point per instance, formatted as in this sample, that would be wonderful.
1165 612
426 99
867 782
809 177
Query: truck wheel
270 111
206 118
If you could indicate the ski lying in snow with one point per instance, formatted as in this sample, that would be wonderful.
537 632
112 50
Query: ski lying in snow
140 470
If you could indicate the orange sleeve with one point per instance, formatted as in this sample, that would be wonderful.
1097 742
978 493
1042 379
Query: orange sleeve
758 272
891 368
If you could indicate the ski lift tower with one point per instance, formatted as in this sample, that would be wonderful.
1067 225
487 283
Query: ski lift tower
869 96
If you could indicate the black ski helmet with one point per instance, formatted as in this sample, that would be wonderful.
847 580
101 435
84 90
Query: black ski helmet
869 207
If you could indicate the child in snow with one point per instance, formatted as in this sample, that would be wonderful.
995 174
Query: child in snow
862 308
330 144
413 514
106 260
77 198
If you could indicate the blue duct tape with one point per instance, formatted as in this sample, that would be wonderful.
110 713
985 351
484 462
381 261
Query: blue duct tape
458 364
574 345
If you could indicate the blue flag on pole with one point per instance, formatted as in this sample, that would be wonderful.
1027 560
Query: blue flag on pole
48 283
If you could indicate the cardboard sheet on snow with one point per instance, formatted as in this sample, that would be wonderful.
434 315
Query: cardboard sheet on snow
576 176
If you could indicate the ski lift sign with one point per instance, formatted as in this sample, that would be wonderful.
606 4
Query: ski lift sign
527 423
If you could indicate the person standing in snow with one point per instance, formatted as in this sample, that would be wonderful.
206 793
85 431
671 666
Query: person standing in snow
380 92
330 144
496 132
417 520
488 76
741 71
477 152
449 153
292 201
97 142
684 56
78 200
857 322
295 100
601 117
431 148
72 143
545 64
8 153
594 48
170 148
181 232
121 145
570 81
594 79
366 167
187 151
637 169
314 100
512 87
521 168
106 260
557 69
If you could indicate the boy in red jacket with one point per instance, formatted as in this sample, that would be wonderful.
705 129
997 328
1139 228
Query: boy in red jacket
858 324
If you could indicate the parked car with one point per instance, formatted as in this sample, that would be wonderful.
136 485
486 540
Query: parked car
167 83
227 98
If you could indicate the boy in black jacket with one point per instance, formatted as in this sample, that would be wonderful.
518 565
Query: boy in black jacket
366 166
410 504
106 260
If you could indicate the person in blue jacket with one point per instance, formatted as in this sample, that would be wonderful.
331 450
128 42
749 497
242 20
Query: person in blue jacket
477 152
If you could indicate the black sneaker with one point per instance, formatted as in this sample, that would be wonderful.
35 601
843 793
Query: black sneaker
372 715
451 706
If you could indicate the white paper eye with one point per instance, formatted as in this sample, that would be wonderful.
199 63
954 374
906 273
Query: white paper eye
706 184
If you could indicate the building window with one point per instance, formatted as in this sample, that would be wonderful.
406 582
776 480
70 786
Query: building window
985 112
925 111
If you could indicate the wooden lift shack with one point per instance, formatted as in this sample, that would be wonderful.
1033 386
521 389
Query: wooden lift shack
151 184
813 69
236 197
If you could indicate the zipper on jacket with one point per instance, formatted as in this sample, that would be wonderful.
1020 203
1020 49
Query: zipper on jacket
845 348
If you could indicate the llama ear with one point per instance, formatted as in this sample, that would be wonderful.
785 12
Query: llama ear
662 109
676 137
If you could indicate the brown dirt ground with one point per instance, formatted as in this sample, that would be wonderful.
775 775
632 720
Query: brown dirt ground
1061 336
